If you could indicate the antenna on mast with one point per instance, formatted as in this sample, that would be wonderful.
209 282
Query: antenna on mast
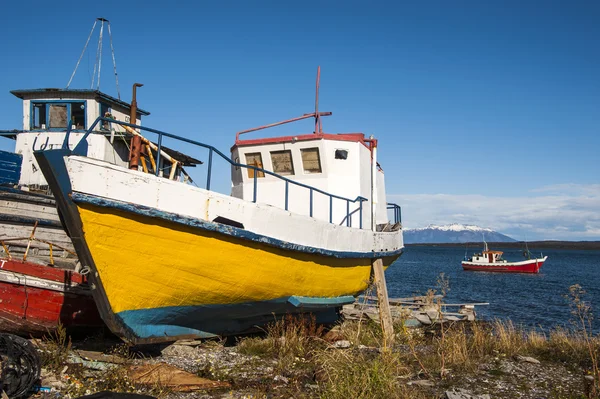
318 125
98 64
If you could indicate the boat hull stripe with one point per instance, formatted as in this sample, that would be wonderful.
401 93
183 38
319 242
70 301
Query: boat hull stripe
203 321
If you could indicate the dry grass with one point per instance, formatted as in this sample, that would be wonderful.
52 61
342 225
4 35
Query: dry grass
290 341
359 374
55 348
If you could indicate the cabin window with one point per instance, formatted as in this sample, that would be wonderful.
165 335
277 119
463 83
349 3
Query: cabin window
341 154
282 162
311 161
56 115
78 115
254 159
105 113
39 116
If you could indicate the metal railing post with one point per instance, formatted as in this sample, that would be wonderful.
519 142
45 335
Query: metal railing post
255 186
360 214
330 209
209 169
159 146
348 213
287 192
311 202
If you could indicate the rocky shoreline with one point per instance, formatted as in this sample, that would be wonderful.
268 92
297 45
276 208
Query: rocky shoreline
296 360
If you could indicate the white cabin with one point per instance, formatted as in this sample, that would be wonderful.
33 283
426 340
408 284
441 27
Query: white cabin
339 164
46 113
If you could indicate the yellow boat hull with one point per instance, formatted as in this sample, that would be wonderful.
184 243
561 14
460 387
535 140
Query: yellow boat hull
161 277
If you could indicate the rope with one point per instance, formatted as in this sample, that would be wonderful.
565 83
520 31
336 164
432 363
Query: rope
81 56
112 50
96 64
100 51
20 366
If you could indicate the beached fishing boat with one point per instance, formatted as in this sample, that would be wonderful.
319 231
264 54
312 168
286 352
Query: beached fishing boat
492 261
305 222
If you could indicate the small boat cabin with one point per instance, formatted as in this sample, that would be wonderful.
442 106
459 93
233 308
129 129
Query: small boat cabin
488 257
46 113
341 164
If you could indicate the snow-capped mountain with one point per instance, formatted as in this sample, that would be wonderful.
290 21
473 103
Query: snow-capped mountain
452 233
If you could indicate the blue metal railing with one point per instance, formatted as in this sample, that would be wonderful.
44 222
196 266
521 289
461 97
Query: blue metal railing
396 210
81 149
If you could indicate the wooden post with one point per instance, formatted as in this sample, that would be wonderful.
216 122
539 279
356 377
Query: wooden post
385 315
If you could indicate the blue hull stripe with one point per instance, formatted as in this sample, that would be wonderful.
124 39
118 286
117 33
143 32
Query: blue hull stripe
222 228
213 320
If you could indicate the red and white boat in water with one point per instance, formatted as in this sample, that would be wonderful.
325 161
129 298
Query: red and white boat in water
491 261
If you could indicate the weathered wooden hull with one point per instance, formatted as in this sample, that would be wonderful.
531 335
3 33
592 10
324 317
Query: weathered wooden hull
34 299
528 266
19 213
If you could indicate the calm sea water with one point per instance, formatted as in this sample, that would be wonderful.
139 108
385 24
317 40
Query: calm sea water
534 300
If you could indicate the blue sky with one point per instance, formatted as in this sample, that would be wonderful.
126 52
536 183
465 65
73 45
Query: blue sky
487 112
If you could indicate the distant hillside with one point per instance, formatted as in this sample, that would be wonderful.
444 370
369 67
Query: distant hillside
532 245
453 233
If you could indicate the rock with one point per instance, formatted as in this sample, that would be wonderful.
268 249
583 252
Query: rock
281 378
343 344
368 348
100 357
464 394
177 350
589 378
509 368
421 383
423 318
433 313
527 359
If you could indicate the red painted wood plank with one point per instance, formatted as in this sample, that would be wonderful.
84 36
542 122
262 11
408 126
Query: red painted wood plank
45 272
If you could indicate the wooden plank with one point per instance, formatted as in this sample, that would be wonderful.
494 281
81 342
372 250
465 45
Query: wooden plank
385 314
53 235
16 208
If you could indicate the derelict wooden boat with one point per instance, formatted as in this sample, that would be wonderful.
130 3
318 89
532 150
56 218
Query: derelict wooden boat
37 298
491 261
21 210
171 260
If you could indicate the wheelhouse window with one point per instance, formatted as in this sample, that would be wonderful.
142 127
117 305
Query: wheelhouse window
38 120
78 115
105 112
282 162
56 115
311 162
254 159
341 154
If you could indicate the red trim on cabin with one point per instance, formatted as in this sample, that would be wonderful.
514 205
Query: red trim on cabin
354 137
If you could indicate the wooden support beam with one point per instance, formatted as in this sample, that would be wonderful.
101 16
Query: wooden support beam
385 315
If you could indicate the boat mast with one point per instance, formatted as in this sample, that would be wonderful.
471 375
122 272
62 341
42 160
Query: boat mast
98 64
